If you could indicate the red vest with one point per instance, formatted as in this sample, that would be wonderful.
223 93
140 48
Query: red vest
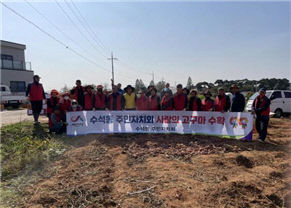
88 101
100 100
142 103
220 103
165 102
36 92
153 103
75 96
118 101
194 104
179 101
52 104
207 104
65 105
262 103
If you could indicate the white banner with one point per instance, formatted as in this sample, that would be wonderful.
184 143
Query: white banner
233 125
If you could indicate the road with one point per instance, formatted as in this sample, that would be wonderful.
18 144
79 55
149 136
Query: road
14 116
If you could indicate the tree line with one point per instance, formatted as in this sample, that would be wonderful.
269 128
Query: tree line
243 84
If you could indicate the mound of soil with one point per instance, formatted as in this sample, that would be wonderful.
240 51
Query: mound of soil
167 171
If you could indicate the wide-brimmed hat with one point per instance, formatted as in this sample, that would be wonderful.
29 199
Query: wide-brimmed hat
263 89
194 90
89 86
221 88
99 87
233 86
129 86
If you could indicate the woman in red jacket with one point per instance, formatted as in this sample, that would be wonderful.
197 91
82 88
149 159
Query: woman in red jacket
65 103
167 101
52 102
207 102
154 100
142 102
89 98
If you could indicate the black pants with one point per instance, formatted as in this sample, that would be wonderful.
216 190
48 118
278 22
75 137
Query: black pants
36 107
261 126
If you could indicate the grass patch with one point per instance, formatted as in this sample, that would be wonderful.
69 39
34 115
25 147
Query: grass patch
24 145
25 148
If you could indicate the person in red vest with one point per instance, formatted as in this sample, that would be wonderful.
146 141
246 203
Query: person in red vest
194 101
180 99
52 102
167 100
56 122
207 102
100 99
78 93
36 95
142 102
89 98
222 101
154 100
115 99
261 106
75 106
65 102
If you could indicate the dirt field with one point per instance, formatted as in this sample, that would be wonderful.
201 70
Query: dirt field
168 171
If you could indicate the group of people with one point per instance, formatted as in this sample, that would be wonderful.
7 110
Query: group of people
84 98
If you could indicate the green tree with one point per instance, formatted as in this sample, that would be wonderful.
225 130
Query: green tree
152 83
65 89
161 85
189 83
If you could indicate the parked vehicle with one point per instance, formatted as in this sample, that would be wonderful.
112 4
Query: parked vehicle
8 98
280 102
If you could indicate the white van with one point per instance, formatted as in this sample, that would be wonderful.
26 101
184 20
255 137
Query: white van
280 102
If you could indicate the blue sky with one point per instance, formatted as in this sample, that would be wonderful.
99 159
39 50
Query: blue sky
204 40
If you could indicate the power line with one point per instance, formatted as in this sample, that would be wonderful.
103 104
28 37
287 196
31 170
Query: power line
54 25
94 35
77 27
61 42
53 37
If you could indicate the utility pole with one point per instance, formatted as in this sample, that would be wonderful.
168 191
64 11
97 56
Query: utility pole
112 59
153 77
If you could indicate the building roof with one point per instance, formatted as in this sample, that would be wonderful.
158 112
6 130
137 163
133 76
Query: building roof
12 44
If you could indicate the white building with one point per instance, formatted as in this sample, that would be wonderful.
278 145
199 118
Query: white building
16 73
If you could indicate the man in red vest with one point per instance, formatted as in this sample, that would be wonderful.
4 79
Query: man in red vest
78 93
154 100
89 98
261 107
142 101
100 99
36 95
222 102
194 102
180 99
115 99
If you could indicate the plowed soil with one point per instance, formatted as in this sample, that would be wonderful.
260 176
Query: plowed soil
141 170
